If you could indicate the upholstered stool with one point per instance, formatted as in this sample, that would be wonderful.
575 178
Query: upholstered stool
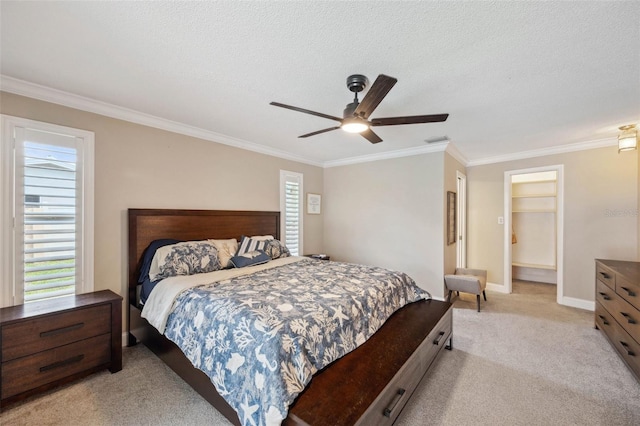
467 280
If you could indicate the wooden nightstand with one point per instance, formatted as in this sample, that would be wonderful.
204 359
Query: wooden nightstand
48 343
319 256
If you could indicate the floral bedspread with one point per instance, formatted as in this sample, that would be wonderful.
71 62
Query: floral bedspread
261 337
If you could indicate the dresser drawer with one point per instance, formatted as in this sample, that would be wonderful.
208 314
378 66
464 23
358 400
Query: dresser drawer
29 372
626 315
628 348
605 275
605 296
629 291
604 320
40 334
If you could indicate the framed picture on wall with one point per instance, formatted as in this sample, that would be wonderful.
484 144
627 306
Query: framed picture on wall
314 203
451 217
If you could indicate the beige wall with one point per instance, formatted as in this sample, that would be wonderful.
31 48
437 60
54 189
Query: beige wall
638 211
600 196
388 213
142 167
451 166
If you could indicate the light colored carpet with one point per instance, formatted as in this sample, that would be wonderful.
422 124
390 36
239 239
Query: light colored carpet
523 360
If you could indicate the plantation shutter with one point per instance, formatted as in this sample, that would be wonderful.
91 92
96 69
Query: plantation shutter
291 211
48 214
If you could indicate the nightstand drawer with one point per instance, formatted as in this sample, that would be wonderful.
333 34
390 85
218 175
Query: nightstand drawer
40 334
29 372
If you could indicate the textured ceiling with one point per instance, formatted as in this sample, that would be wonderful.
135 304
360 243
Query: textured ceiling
514 76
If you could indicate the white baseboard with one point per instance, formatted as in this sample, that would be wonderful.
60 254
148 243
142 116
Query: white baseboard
125 339
442 299
498 288
578 303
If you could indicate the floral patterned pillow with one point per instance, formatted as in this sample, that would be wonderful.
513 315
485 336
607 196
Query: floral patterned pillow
188 258
276 249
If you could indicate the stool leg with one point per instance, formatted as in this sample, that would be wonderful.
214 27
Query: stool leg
478 299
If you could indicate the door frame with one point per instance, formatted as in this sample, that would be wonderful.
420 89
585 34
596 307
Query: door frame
559 169
461 220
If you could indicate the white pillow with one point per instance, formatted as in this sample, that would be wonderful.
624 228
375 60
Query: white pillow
226 250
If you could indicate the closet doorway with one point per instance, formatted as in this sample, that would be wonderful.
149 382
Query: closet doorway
534 226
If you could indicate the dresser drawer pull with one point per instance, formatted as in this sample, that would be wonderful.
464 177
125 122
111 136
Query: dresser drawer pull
629 351
629 292
604 295
604 320
436 341
63 363
62 330
628 317
605 276
396 399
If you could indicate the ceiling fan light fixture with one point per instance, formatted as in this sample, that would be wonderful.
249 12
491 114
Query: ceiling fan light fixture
353 125
628 138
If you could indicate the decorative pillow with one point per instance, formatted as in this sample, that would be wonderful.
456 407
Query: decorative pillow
188 258
226 250
255 257
248 244
276 249
148 255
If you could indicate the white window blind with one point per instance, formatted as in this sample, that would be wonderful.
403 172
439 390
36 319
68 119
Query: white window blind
291 210
52 248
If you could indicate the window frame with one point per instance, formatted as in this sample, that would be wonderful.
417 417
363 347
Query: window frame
285 176
11 290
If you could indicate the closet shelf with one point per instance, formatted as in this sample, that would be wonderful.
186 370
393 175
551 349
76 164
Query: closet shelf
534 211
533 195
533 265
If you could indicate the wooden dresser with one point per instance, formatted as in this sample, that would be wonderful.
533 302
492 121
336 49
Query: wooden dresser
51 342
618 308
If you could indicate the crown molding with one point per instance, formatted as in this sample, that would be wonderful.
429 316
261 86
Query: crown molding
560 149
47 94
387 155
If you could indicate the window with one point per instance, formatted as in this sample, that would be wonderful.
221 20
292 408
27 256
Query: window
291 211
47 211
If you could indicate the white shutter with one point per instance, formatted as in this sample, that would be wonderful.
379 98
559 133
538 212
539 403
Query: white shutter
291 211
52 212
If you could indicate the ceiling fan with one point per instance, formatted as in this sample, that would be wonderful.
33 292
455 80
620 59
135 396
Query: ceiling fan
355 118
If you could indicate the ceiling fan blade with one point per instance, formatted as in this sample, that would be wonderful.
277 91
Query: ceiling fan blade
375 95
370 136
414 119
319 131
306 111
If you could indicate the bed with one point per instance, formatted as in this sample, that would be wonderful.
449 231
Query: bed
369 385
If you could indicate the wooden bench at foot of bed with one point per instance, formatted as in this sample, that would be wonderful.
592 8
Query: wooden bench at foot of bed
369 386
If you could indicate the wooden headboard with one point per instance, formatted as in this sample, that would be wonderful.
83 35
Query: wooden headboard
147 225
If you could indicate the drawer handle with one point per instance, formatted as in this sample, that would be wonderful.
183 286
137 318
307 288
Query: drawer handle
629 351
59 364
394 402
629 292
604 320
628 317
604 295
605 276
61 330
436 341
